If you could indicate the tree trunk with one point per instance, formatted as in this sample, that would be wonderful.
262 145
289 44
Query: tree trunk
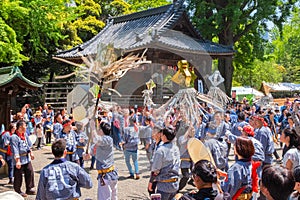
225 65
226 69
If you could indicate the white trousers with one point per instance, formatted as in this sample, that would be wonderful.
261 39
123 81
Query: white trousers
107 191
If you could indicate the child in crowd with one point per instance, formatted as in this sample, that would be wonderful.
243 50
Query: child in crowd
39 134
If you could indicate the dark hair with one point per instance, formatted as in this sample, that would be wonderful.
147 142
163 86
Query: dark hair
271 112
79 126
169 132
244 147
226 115
38 125
148 119
290 117
56 116
132 120
206 171
241 116
105 127
66 121
200 116
131 111
279 181
11 126
247 107
294 138
20 123
58 147
296 173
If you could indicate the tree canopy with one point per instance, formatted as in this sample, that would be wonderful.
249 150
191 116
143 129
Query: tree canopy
237 23
278 61
285 48
33 30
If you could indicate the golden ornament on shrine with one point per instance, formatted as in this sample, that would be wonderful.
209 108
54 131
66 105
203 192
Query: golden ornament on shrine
185 75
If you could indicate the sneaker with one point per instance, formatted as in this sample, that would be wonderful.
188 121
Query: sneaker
31 192
137 177
23 194
130 177
11 181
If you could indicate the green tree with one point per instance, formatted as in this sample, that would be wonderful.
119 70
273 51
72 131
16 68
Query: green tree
112 8
10 48
286 48
140 5
87 24
44 26
229 21
258 71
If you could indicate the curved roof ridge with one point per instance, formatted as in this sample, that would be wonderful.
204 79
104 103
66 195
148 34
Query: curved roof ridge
141 14
178 10
169 18
8 74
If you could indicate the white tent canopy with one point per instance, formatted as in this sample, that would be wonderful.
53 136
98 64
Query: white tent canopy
247 90
283 87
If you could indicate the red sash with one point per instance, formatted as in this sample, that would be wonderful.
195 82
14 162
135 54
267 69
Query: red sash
9 153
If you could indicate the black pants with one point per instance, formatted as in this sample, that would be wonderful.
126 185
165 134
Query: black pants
81 161
29 177
39 142
48 137
153 188
276 154
184 179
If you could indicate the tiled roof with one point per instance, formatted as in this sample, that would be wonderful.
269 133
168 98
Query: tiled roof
152 27
9 74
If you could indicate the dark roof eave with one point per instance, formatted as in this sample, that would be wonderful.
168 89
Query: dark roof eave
21 83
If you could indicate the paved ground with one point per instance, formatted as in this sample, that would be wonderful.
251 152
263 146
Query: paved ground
128 189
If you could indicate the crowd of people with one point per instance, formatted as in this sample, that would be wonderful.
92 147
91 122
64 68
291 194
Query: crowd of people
252 131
